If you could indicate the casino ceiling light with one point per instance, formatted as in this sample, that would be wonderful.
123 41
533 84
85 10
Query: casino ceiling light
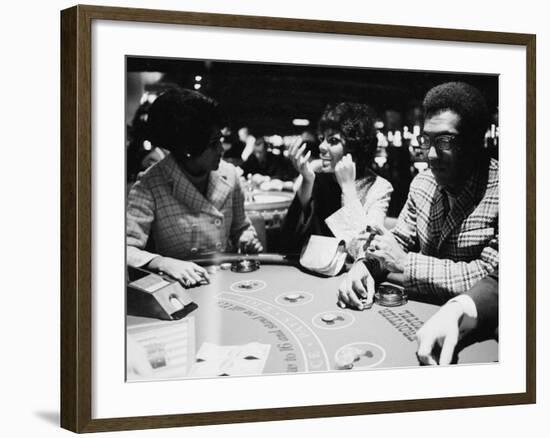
197 86
198 78
300 122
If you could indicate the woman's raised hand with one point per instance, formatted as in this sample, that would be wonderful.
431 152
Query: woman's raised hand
301 162
345 171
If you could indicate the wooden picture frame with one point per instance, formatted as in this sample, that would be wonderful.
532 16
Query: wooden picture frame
76 217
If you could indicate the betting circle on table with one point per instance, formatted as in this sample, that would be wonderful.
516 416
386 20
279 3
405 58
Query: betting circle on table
241 308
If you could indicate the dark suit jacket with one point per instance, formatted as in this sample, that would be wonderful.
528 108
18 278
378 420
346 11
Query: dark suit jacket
485 296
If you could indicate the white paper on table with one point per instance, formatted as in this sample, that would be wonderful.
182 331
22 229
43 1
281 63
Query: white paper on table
230 360
319 253
336 265
348 221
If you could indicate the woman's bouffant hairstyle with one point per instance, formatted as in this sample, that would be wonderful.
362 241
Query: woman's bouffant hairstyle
355 123
467 102
181 121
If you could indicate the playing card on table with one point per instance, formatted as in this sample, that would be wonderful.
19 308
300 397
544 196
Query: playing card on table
230 360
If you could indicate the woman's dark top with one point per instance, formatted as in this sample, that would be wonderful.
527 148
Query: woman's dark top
300 223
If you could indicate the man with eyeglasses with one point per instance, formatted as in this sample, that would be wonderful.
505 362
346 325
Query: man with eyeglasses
446 237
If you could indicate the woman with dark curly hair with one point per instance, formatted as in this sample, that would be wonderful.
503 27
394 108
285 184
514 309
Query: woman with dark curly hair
190 203
341 177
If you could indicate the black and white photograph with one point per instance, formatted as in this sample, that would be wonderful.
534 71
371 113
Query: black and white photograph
287 218
275 219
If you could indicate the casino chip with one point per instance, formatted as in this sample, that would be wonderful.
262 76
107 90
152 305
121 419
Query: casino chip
359 356
329 318
248 286
333 320
345 361
293 297
346 358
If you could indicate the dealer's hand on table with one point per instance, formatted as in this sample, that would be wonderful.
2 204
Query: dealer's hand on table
385 248
444 329
187 273
357 286
249 243
441 330
137 364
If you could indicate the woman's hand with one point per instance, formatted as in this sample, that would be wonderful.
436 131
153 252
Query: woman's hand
249 243
345 173
301 162
187 273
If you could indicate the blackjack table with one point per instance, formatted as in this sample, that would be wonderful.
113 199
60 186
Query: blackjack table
296 313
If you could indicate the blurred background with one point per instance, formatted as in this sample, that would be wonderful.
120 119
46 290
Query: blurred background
269 107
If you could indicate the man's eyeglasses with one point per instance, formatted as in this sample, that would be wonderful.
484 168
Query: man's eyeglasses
443 142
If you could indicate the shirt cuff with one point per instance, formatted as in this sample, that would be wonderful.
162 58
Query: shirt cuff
469 320
408 270
468 305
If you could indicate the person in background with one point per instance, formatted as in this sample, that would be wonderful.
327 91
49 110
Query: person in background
264 162
136 134
446 237
190 203
248 140
140 154
232 147
475 311
343 175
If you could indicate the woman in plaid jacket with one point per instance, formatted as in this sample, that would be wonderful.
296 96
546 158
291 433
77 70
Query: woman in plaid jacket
190 203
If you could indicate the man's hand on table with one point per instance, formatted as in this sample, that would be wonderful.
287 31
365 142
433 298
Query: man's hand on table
249 243
187 273
444 329
357 289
